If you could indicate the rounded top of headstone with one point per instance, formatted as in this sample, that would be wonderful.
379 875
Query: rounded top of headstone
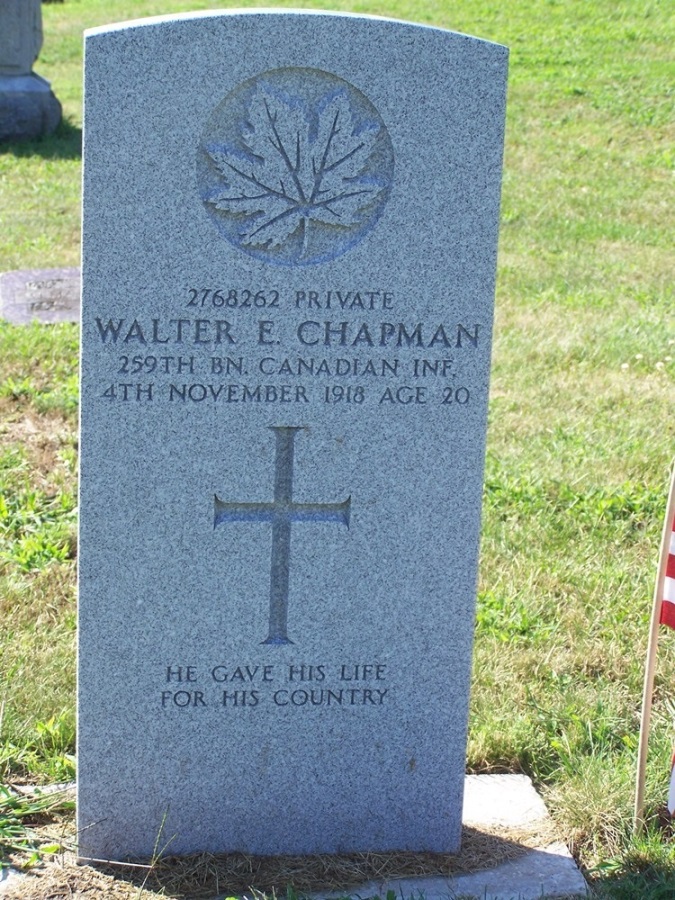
191 17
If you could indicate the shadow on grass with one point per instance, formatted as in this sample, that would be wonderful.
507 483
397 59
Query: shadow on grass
65 143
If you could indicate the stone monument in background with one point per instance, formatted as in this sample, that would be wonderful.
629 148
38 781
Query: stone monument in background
28 108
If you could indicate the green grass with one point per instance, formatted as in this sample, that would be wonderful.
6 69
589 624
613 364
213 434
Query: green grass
581 435
17 813
38 460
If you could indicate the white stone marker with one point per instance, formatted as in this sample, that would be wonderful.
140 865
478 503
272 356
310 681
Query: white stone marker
290 231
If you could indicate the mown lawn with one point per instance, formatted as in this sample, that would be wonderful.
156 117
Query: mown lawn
582 424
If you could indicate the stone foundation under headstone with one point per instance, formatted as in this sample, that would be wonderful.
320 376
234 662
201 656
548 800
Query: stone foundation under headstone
28 107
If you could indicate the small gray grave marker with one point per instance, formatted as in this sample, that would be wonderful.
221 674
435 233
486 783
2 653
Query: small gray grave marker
288 279
43 295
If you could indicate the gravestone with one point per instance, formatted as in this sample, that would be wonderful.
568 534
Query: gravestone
290 230
43 295
28 108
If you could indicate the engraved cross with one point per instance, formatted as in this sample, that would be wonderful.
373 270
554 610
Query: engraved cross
282 512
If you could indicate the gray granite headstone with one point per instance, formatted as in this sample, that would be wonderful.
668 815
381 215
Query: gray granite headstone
43 295
290 231
28 108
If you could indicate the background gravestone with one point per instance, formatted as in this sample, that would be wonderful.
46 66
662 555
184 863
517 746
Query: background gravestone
288 277
28 108
45 295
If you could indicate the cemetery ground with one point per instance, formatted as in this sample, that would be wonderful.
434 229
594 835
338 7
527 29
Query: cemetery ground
581 436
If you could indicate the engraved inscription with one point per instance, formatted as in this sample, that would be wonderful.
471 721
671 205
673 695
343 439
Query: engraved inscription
247 354
230 687
295 166
282 512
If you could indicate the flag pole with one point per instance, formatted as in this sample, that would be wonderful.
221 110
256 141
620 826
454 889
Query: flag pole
638 820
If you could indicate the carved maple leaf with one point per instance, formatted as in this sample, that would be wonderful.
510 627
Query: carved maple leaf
299 166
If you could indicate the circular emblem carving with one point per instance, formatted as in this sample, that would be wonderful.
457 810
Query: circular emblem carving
295 166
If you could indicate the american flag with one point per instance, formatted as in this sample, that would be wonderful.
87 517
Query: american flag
671 790
668 599
663 612
668 618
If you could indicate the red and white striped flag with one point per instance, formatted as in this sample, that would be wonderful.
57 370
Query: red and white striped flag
671 789
667 617
663 613
668 599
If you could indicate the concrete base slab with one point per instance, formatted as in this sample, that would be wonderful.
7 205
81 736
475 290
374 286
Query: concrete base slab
9 879
538 874
507 801
503 808
491 803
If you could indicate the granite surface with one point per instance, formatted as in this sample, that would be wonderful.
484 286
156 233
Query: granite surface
288 279
45 295
20 35
28 108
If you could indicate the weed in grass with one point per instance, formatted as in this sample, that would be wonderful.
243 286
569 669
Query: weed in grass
38 368
48 754
646 870
19 813
35 529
